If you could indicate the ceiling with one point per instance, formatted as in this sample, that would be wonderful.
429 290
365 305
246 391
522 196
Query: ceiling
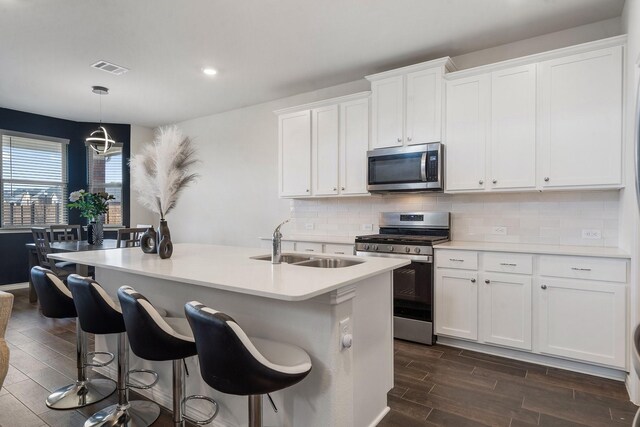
263 49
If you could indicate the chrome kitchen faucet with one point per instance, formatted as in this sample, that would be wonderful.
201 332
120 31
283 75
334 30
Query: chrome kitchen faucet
276 244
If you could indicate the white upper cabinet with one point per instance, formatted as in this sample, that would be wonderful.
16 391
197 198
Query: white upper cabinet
387 112
466 133
295 153
354 143
580 120
513 128
407 104
323 148
324 145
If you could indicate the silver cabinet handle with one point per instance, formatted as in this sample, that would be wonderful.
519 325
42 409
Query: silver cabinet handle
339 253
310 250
335 188
342 188
473 280
487 281
481 182
409 139
399 139
580 269
456 260
543 286
495 181
307 190
546 179
508 264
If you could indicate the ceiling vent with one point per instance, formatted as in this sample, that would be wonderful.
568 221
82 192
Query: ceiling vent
110 68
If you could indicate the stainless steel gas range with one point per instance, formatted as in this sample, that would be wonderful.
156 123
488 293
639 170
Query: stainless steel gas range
410 235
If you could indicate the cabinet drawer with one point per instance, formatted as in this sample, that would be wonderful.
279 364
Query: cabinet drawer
465 260
508 263
309 247
605 269
338 249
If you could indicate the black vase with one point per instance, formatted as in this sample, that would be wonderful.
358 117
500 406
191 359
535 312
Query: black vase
149 241
90 226
165 247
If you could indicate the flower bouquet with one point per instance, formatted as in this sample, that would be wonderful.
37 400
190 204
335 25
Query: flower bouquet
92 206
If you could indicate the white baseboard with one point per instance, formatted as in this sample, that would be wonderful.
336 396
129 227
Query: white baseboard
14 286
379 418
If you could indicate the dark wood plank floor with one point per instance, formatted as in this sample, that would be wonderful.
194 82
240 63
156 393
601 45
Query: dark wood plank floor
434 386
445 386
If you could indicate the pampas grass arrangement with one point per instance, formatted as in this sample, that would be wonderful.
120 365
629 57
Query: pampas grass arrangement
163 170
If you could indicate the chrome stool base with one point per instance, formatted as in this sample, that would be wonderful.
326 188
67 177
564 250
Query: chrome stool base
81 393
138 413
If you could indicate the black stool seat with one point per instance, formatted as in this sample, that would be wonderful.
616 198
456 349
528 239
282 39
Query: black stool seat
99 314
233 363
56 301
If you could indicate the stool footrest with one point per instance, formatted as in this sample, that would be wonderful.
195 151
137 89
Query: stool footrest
141 386
200 397
92 354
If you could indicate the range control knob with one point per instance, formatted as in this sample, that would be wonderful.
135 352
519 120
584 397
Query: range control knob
417 250
407 249
375 247
366 247
390 248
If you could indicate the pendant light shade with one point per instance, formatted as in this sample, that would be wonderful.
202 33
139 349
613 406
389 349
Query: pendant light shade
99 140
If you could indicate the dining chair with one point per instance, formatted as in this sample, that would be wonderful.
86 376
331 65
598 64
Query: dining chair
129 237
43 248
65 233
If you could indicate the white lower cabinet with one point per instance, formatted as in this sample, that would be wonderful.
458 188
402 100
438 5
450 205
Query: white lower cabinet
510 300
583 320
456 304
506 310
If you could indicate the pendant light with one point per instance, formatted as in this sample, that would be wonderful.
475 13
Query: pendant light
99 140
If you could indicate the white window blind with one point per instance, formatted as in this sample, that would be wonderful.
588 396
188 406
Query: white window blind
105 174
34 180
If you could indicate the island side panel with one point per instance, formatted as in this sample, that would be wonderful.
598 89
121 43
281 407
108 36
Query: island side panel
326 396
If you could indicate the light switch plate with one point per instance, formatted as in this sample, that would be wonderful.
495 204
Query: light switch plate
367 227
308 226
499 230
592 233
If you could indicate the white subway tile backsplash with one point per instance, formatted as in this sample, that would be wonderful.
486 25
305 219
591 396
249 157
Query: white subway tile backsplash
545 218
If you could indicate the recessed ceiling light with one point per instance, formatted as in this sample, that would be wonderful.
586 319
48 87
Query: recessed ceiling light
209 71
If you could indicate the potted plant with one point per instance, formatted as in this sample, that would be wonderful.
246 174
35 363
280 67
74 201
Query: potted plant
92 206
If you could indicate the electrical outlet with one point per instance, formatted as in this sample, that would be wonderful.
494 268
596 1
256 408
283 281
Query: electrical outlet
367 227
308 226
499 231
594 234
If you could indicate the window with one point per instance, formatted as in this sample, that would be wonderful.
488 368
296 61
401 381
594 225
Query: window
34 180
105 174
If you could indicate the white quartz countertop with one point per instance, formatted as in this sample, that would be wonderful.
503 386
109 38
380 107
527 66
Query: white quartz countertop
339 240
536 249
231 268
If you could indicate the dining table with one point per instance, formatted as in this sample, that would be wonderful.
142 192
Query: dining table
67 246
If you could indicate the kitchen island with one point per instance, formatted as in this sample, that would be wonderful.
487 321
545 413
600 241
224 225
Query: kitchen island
311 307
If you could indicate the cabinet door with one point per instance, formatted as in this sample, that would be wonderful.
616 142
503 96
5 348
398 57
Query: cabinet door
424 106
513 128
583 320
506 310
354 143
387 114
581 119
295 154
456 303
466 133
324 143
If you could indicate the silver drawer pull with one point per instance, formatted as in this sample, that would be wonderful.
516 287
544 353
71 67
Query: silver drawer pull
580 269
310 250
508 264
456 260
341 253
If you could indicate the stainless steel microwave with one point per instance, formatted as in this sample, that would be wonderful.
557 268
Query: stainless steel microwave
409 169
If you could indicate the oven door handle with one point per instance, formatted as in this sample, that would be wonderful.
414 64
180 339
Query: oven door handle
423 167
424 259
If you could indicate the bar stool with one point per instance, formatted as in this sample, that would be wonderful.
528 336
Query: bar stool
56 302
153 337
98 314
233 363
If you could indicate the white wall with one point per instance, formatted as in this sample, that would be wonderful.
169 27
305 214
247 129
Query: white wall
628 206
138 214
236 199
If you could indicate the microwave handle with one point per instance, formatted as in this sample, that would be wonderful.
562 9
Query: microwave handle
423 167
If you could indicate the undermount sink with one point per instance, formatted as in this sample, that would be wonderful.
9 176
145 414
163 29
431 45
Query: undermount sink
317 262
329 263
288 258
